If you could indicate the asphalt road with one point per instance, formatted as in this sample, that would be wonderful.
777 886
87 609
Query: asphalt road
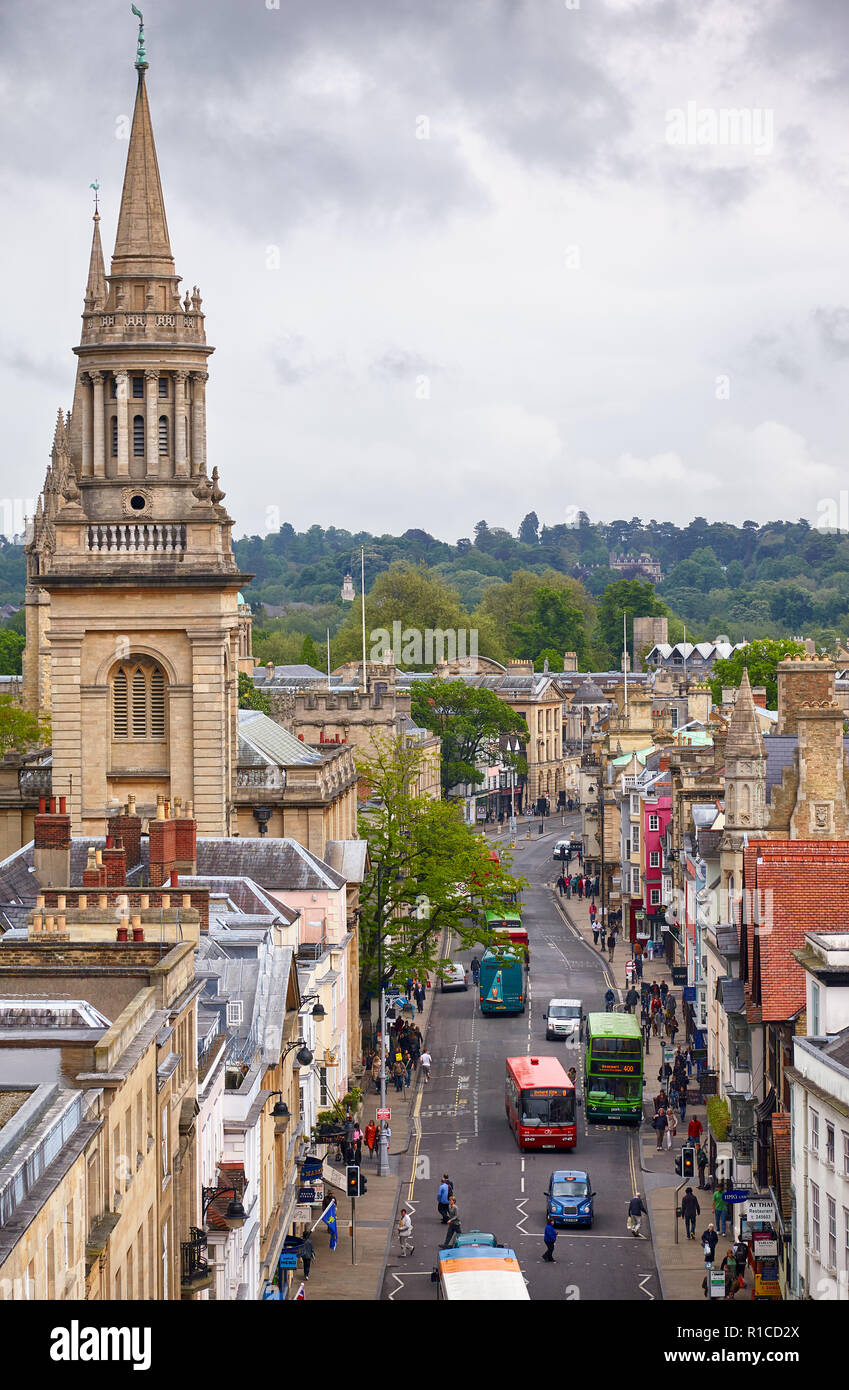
464 1131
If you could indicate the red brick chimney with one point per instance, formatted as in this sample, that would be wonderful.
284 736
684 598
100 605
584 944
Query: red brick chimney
52 846
127 824
115 862
759 695
186 840
163 846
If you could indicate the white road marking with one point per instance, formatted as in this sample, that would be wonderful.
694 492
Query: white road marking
644 1290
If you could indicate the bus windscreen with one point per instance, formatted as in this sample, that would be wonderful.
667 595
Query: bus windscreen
548 1107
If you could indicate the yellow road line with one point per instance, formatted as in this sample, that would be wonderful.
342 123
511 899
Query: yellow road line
416 1112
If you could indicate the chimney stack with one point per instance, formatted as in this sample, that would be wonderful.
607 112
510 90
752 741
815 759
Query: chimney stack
52 848
128 825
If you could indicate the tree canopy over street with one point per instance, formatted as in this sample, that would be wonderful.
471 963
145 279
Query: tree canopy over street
468 720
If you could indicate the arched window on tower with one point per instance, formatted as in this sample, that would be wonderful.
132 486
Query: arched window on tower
163 434
138 701
138 436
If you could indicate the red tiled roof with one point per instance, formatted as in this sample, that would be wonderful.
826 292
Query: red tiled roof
804 886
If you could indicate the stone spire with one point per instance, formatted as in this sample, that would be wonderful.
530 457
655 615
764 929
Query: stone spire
95 290
744 736
142 246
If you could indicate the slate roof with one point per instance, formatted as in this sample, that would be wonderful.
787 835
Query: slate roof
709 841
589 694
727 941
838 1049
780 752
279 865
295 674
732 995
259 735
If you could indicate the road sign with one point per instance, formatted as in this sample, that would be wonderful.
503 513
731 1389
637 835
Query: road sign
384 1114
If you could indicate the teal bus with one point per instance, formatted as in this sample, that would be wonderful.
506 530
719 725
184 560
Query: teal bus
613 1068
503 986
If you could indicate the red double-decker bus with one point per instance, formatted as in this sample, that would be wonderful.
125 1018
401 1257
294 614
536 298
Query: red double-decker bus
539 1100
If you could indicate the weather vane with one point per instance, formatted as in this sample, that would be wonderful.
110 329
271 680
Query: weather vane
96 187
141 60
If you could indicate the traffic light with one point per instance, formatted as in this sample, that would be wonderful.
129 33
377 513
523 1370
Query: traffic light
678 1165
362 1190
688 1161
352 1179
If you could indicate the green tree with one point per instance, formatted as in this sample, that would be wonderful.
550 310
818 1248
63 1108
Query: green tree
11 650
435 873
468 720
507 604
407 594
20 730
529 530
250 697
635 598
760 659
554 623
309 653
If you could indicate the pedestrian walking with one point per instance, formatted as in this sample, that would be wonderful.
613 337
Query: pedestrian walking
611 944
688 1058
602 936
593 911
701 1161
561 885
682 1100
549 1236
694 1131
453 1223
672 1027
664 1074
580 887
720 1211
647 1033
636 1211
632 998
375 1070
476 969
426 1061
595 933
443 1193
409 985
371 1137
690 1209
398 1075
358 1151
568 888
420 999
661 1100
741 1256
709 1240
405 1231
638 965
660 1124
307 1254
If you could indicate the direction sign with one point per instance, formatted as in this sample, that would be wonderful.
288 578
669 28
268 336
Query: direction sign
384 1114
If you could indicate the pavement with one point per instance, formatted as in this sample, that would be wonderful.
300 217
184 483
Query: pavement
457 1122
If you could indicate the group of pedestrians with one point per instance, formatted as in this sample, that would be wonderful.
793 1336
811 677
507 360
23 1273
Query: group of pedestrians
404 1053
733 1264
658 1013
446 1206
582 885
602 937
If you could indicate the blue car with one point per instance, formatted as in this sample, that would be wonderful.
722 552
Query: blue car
569 1198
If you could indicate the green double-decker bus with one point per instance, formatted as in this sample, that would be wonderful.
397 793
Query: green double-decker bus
613 1068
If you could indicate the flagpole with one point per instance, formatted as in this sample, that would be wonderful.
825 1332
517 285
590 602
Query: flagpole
324 1213
625 653
363 602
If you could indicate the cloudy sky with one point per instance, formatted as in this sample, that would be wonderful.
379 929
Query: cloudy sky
459 258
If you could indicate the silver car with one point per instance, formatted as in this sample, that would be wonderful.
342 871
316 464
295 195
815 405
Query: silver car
563 1018
454 978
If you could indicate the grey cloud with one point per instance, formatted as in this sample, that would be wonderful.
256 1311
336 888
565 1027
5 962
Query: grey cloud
833 326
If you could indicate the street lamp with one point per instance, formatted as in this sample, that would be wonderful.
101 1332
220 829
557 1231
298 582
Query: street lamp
600 804
318 1010
280 1114
303 1058
234 1216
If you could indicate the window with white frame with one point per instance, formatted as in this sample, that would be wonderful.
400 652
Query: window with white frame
831 1216
829 1144
815 1010
166 1148
674 713
815 1219
635 804
654 897
654 858
635 883
323 1088
635 839
845 1153
815 1132
654 822
846 1239
235 1012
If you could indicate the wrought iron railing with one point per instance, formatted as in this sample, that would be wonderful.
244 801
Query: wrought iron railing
194 1266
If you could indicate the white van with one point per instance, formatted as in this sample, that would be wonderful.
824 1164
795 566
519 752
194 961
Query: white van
563 1017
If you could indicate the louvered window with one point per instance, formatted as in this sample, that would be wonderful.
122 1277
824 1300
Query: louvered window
163 434
163 388
119 705
138 702
138 388
157 704
138 436
114 436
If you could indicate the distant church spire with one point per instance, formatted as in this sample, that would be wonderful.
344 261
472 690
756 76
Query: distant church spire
142 245
744 736
95 290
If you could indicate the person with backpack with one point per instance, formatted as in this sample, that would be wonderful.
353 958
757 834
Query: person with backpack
741 1257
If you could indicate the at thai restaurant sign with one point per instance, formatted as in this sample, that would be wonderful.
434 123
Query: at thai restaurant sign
760 1209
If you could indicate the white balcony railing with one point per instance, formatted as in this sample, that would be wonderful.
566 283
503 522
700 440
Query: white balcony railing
135 537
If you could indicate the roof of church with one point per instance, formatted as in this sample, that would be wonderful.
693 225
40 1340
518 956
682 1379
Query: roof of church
745 739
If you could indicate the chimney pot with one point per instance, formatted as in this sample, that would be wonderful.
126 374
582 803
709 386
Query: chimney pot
52 805
62 805
42 805
98 858
82 902
110 842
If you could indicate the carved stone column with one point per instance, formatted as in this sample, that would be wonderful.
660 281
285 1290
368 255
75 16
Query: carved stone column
181 466
199 380
151 398
98 426
85 397
123 469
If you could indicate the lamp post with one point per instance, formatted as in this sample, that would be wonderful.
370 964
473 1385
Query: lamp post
234 1216
382 1142
600 804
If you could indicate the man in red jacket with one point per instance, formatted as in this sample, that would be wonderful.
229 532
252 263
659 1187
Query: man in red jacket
694 1131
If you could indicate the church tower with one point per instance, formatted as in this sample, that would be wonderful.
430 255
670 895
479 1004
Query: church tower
132 588
745 784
